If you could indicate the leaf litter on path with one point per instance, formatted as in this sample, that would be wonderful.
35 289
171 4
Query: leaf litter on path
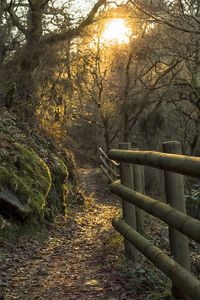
82 257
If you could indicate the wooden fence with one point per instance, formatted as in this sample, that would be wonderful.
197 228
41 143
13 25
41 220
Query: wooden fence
109 167
181 226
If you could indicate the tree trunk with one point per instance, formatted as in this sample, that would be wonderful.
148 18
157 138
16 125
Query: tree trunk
28 57
26 83
126 127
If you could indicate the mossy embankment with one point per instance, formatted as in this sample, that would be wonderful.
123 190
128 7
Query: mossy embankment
37 178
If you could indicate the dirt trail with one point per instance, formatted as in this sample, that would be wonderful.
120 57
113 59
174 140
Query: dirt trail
76 262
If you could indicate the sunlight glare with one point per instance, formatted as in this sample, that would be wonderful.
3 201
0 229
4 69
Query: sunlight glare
117 31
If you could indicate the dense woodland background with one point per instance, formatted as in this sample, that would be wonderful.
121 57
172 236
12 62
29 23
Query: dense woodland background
64 91
60 77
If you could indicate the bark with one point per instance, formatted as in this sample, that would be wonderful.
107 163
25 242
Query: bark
28 58
125 98
129 214
106 134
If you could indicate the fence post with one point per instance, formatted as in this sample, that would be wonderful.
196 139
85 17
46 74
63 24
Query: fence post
138 179
174 188
126 174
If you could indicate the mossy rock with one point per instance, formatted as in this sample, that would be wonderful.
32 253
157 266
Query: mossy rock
28 177
28 161
10 203
59 192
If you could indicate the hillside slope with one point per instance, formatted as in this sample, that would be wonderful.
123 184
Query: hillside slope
36 177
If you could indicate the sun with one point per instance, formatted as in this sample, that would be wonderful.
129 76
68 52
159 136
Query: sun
116 31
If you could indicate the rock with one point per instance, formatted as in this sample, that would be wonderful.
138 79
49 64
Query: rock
24 182
34 177
10 203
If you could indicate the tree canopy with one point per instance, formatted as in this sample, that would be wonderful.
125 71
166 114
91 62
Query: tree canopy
57 68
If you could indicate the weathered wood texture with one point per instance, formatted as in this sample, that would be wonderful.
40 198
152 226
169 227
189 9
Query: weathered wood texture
105 172
185 224
184 284
174 189
186 165
138 179
109 167
179 276
101 152
129 215
181 225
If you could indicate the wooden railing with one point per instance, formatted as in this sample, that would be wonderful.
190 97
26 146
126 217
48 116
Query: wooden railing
109 167
181 226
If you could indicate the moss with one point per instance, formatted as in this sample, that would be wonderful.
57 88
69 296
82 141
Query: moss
28 160
15 228
65 195
59 168
60 177
114 241
31 170
71 164
27 176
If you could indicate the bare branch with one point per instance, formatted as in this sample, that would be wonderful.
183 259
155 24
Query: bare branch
71 33
14 18
162 20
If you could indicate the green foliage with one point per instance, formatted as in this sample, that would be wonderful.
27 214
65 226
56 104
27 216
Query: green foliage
115 241
192 196
146 277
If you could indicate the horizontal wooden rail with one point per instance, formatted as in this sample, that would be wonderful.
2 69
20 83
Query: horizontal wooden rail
101 152
185 224
106 174
181 226
108 167
183 164
179 276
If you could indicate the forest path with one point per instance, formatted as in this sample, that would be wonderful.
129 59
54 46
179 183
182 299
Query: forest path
76 262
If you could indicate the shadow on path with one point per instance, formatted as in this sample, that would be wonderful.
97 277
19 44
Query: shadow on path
76 262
